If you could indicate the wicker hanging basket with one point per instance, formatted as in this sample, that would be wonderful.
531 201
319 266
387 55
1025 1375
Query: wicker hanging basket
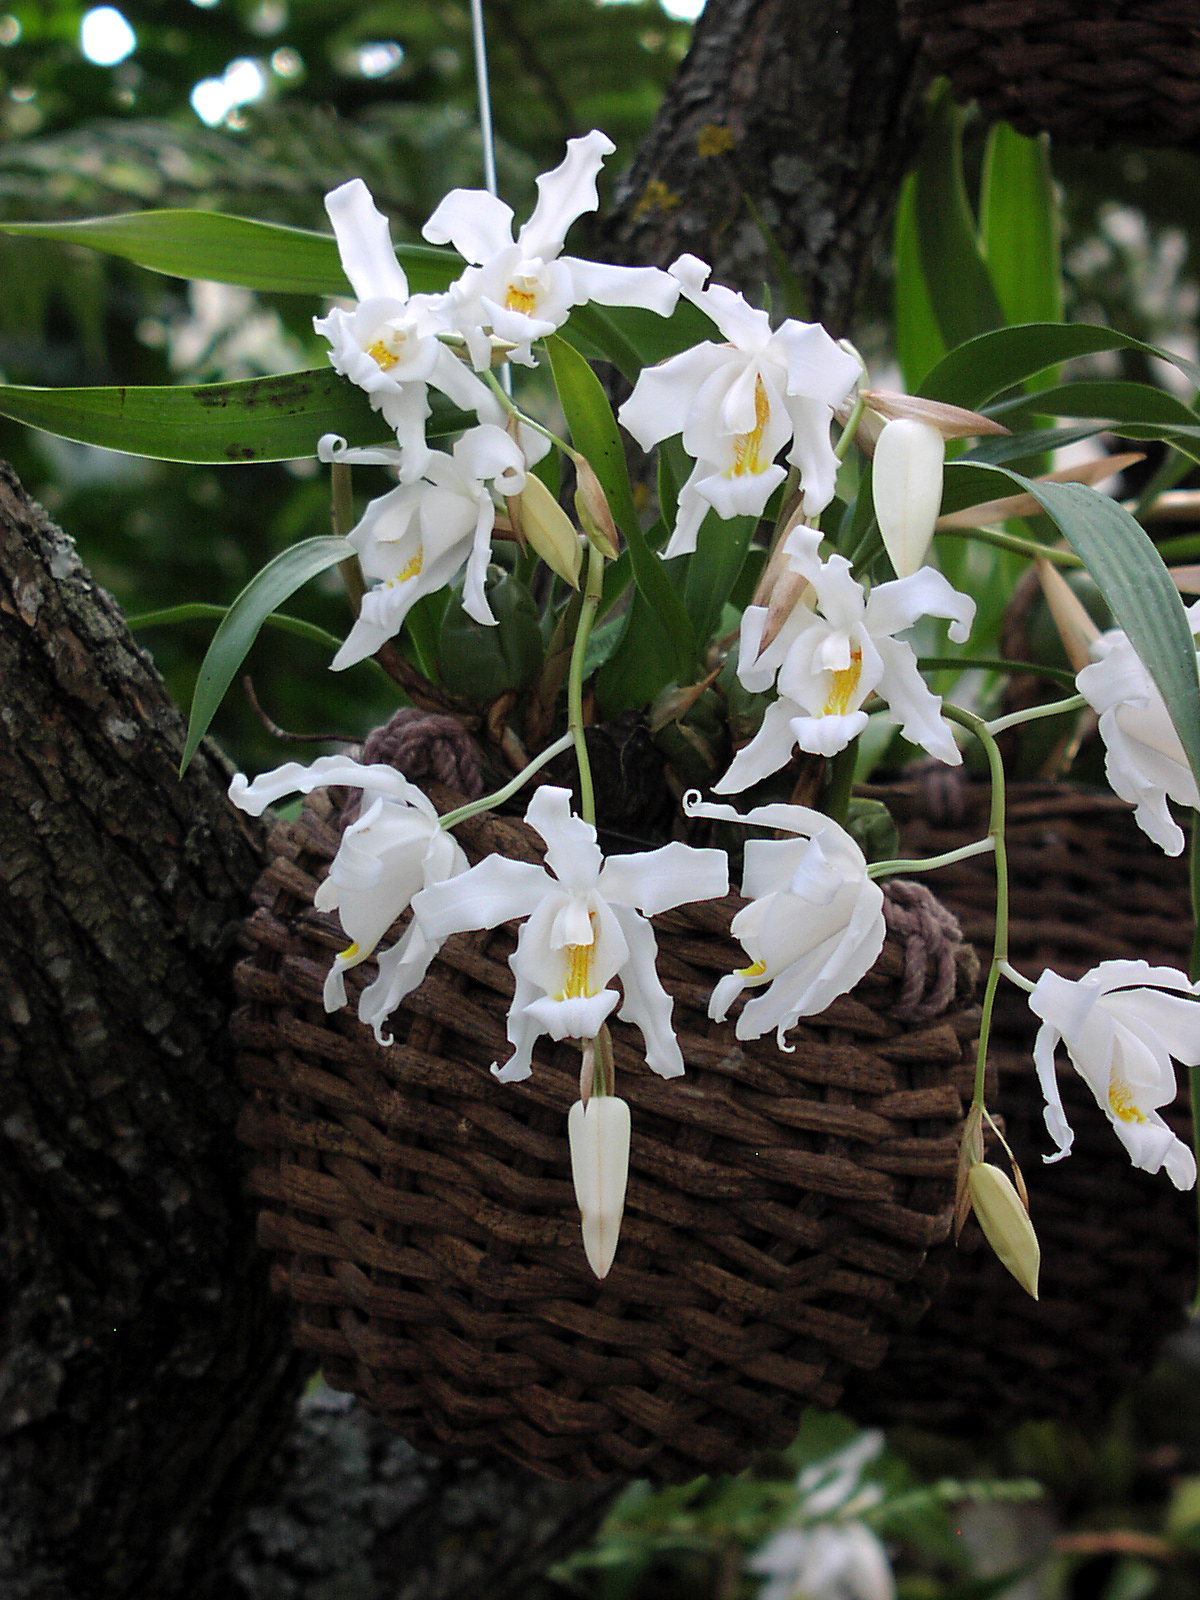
1118 1245
1110 71
422 1220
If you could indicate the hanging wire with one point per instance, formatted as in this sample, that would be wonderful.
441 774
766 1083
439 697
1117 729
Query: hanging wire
485 98
479 44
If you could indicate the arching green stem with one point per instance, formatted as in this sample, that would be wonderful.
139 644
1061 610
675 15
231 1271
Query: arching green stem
497 798
891 869
1057 708
1013 541
510 405
977 726
575 728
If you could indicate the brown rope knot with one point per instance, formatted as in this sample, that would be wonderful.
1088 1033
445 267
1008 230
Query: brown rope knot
932 938
426 746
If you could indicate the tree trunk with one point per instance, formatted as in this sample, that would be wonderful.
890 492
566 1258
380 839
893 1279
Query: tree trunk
145 1372
807 109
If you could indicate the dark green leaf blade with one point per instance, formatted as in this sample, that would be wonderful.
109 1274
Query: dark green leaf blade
956 276
255 419
595 434
266 591
269 256
1130 574
977 371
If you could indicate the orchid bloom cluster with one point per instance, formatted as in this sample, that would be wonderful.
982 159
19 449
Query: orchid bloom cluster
821 648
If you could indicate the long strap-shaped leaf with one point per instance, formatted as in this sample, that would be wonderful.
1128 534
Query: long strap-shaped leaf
256 419
977 371
266 591
223 249
1130 574
594 433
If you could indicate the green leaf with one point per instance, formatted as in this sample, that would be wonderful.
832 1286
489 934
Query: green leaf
1130 574
594 433
919 343
1114 399
986 366
1019 226
266 591
257 419
713 569
256 255
956 276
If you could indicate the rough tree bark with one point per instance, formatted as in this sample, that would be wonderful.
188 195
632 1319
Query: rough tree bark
811 109
145 1373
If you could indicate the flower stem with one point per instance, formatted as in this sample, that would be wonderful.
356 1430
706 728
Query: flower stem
981 730
1013 541
851 428
841 782
1056 708
890 869
514 410
498 796
575 727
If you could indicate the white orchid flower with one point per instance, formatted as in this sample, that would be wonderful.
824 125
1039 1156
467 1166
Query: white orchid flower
814 925
388 344
598 1135
586 926
906 487
837 647
414 539
1143 757
396 847
1121 1024
519 292
738 404
832 1561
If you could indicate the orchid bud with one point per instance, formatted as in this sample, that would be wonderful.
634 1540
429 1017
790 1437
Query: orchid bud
1005 1223
906 485
591 503
543 522
599 1138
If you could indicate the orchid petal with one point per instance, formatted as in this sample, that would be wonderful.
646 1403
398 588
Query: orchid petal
646 1002
495 890
476 223
565 194
648 287
364 243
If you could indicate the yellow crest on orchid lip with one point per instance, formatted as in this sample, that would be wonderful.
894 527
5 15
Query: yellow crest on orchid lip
522 300
747 447
1120 1099
843 685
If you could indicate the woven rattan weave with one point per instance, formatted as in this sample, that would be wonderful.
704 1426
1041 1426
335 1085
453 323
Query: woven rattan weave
1118 1245
423 1223
1105 72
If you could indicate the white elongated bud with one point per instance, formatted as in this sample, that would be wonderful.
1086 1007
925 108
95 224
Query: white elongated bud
1005 1223
549 529
599 1139
906 484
